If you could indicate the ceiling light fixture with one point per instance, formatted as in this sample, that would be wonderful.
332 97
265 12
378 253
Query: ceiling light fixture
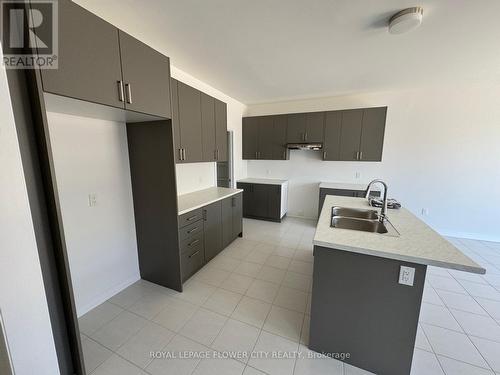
406 20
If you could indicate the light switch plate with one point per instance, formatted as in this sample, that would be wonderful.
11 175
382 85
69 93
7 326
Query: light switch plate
406 275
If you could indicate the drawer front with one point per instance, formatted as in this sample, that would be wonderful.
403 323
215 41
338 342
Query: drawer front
192 244
190 230
192 261
190 217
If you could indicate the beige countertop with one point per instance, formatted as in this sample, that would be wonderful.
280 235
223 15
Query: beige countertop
268 181
417 243
192 201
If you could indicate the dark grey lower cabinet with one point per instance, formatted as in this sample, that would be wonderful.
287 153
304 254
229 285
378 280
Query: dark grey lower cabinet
261 201
323 192
205 232
212 229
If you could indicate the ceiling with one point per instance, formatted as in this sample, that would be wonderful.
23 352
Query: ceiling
264 51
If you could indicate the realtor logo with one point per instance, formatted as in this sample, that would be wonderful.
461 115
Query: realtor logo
29 34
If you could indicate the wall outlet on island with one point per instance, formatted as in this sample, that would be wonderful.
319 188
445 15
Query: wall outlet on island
406 275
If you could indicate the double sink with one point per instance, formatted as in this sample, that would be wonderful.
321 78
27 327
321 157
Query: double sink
361 220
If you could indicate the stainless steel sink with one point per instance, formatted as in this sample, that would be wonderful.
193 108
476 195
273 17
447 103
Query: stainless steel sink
373 226
361 220
356 213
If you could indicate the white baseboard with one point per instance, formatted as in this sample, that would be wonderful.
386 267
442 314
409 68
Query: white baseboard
106 295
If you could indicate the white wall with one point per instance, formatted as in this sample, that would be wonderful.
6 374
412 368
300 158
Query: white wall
91 157
441 152
196 176
22 294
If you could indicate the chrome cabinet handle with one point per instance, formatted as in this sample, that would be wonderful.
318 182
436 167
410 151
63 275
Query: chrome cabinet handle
120 90
193 243
324 154
361 155
357 155
195 253
128 92
305 136
193 230
180 154
183 154
192 218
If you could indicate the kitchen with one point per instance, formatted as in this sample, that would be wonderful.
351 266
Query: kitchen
177 200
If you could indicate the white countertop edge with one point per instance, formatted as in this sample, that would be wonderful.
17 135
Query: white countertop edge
263 181
404 258
206 203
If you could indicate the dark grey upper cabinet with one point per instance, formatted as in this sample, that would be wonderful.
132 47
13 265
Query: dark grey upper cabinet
331 143
352 122
208 127
315 123
146 77
176 126
89 58
296 128
212 229
265 138
250 137
372 135
221 130
278 139
190 122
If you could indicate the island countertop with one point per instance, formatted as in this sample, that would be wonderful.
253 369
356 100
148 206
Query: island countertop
417 243
192 201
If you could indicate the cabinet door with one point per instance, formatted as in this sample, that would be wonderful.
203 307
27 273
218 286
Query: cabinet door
279 150
265 144
296 128
208 127
260 200
250 137
237 215
350 136
227 221
372 135
146 74
331 143
175 120
212 229
190 122
315 123
247 198
274 201
221 130
89 58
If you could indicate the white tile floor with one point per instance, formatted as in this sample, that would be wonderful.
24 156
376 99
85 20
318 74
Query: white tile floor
255 296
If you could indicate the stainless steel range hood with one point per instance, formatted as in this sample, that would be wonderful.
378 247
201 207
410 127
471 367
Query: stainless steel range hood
304 146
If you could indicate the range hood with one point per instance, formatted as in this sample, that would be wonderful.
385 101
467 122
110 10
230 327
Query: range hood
304 146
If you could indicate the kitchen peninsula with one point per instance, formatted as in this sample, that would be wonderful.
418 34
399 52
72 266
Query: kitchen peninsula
367 287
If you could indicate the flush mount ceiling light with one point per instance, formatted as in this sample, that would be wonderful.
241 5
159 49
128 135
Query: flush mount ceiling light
406 20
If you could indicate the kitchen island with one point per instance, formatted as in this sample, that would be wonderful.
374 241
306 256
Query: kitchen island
367 287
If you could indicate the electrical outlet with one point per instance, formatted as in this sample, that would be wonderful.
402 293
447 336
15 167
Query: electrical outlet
268 172
406 275
357 175
92 200
425 211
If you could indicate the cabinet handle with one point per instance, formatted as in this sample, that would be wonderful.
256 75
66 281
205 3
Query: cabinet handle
324 155
183 154
128 92
120 90
195 253
180 154
192 218
193 230
305 136
356 157
361 155
193 243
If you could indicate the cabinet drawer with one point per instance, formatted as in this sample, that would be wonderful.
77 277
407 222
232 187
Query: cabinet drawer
191 261
192 243
190 230
190 217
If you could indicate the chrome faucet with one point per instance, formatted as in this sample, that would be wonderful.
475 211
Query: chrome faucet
383 212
